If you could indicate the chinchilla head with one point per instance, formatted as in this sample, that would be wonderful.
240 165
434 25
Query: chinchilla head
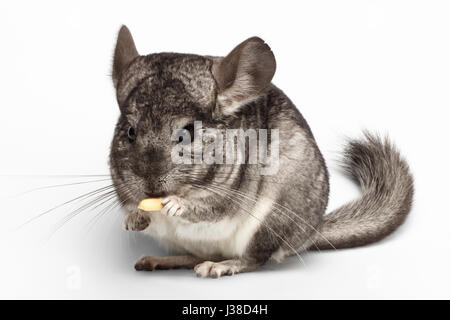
165 93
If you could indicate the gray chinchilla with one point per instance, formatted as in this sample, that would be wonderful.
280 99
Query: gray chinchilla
227 218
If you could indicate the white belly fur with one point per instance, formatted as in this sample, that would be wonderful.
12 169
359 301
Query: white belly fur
228 237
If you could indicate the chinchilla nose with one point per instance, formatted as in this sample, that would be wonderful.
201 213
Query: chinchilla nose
156 156
150 163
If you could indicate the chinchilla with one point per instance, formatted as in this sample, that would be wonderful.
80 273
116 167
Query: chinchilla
226 218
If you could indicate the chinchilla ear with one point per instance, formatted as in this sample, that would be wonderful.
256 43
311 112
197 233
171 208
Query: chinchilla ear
243 74
124 53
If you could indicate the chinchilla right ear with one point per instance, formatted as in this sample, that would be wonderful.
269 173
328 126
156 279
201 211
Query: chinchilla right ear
124 53
243 74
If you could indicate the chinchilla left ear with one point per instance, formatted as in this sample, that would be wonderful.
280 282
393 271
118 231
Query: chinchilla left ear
243 74
124 53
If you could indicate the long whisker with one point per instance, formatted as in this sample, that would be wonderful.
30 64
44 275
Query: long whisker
54 175
86 195
96 201
58 185
248 176
109 208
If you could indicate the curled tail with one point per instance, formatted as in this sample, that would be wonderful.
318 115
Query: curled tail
387 193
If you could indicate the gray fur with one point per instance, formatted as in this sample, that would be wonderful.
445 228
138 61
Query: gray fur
235 219
387 194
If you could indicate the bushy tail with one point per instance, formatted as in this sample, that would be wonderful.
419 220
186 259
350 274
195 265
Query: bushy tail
387 193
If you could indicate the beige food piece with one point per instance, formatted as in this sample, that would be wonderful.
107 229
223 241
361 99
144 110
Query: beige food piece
150 204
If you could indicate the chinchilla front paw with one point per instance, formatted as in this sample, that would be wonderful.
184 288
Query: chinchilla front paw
136 221
172 206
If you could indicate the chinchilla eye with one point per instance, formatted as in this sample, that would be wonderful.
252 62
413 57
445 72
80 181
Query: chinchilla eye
131 135
189 130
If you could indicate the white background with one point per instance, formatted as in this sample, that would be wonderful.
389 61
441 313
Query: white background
348 65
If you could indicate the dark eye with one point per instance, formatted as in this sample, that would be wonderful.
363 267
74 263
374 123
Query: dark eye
131 135
189 128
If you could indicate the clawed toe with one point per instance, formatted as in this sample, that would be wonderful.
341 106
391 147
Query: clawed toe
171 207
214 269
